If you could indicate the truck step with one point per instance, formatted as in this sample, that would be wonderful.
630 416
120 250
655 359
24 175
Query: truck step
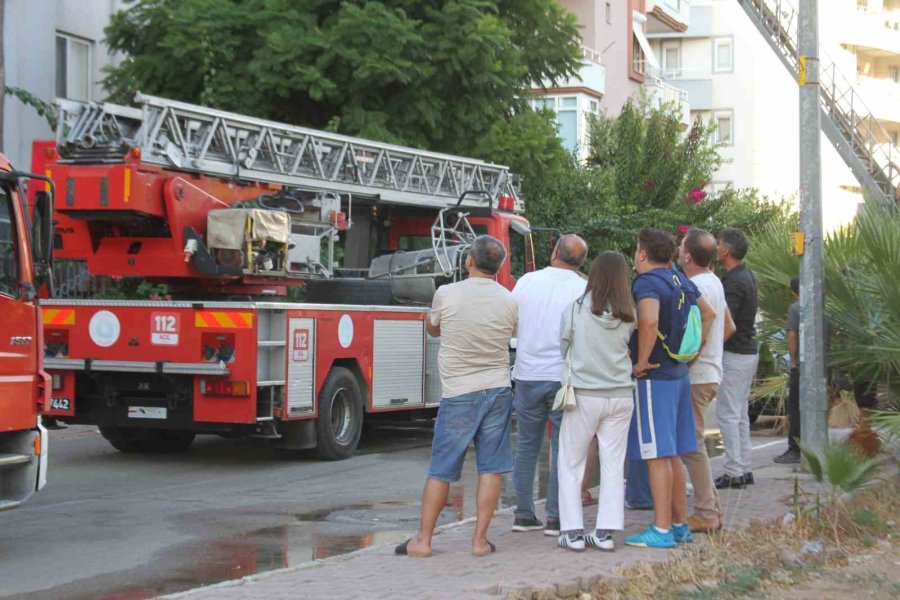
9 460
8 504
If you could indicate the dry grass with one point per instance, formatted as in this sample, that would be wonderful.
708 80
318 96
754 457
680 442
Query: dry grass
756 561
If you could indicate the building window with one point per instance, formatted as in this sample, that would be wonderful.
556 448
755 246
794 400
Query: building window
723 55
895 74
639 60
609 13
724 128
671 60
594 107
566 109
73 68
718 187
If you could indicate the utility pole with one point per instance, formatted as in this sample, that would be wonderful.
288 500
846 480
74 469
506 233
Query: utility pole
813 392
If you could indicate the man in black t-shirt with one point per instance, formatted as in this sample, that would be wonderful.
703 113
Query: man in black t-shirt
739 361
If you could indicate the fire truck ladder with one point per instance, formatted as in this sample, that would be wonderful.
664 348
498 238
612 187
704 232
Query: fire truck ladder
200 139
850 126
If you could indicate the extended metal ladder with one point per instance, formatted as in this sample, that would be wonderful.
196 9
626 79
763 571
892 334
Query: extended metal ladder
196 138
850 126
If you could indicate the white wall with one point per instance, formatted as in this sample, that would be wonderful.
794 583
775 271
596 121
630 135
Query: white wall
29 43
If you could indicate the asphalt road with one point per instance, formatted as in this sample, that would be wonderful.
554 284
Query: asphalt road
128 526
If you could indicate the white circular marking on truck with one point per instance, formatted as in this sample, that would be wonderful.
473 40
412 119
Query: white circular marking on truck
345 331
104 329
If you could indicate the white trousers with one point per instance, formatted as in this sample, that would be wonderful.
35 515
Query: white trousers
738 373
608 419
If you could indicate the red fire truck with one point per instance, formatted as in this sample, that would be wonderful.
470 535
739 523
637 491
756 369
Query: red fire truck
24 386
300 263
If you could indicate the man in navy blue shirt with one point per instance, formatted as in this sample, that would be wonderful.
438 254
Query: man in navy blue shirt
662 426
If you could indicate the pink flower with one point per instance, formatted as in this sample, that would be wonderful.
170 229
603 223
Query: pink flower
648 184
683 229
696 196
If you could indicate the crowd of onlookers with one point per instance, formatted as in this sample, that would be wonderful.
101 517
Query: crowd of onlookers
612 365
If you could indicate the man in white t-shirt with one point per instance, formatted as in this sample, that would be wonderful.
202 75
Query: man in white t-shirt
542 296
695 257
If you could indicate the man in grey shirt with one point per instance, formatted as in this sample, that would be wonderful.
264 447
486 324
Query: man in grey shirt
475 319
793 403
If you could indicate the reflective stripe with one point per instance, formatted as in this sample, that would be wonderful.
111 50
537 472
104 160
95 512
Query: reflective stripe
58 316
223 319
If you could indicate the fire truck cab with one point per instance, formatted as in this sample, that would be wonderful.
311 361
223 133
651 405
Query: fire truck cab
24 386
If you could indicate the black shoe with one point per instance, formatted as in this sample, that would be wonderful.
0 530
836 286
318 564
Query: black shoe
727 481
527 524
552 527
788 458
748 478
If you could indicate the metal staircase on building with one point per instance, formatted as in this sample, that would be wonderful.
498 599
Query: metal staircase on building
856 134
204 140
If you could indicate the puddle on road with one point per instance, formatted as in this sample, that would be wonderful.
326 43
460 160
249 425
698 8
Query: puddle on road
303 537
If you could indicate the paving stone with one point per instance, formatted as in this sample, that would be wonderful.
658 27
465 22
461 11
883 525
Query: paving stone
525 563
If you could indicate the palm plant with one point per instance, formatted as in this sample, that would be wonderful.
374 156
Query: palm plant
841 469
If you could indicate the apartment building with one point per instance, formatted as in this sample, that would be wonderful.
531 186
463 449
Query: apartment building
733 78
618 60
53 48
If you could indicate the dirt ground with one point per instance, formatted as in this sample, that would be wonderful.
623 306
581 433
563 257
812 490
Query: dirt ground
870 575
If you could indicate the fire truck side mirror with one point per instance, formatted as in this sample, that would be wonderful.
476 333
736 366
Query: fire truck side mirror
42 231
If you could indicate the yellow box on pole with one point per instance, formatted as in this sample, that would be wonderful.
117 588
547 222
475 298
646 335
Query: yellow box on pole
801 70
798 241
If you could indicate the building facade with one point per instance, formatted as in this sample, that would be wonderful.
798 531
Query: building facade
733 79
53 48
618 60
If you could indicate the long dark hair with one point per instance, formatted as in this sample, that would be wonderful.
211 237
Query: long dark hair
609 286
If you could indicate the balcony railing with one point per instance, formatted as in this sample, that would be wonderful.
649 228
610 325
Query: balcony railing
680 73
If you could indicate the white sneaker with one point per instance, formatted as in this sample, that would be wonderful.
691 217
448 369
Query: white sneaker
690 489
604 543
571 541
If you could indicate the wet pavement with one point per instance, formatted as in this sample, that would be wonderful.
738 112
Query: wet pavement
124 526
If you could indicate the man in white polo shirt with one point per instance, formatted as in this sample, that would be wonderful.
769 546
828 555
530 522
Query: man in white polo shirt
542 296
695 257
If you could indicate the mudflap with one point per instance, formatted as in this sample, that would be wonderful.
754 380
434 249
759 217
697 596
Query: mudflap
295 435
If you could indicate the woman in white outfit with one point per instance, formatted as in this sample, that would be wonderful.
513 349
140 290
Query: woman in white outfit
596 328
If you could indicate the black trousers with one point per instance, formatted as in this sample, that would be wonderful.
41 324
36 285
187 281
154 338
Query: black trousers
793 409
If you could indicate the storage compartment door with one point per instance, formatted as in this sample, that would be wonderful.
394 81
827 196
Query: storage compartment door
398 369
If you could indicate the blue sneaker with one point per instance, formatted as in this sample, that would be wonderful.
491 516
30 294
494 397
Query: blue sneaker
651 538
682 534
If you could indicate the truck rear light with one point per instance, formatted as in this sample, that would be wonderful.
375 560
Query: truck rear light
56 344
224 387
38 445
57 381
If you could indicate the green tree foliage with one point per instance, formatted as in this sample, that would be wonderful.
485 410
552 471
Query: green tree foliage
436 74
642 170
861 290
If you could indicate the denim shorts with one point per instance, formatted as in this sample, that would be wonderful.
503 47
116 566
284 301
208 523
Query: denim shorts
483 417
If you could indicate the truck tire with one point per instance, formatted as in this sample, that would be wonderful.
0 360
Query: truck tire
169 441
340 420
124 439
138 439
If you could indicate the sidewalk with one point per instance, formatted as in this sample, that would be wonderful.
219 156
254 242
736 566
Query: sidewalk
525 563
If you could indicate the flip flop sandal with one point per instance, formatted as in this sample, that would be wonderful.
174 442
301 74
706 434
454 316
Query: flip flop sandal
402 550
491 546
587 498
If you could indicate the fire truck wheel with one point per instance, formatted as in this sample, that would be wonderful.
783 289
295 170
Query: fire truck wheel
340 416
133 439
125 439
168 441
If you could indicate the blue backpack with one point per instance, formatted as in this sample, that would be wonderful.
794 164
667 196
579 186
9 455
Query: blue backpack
683 341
